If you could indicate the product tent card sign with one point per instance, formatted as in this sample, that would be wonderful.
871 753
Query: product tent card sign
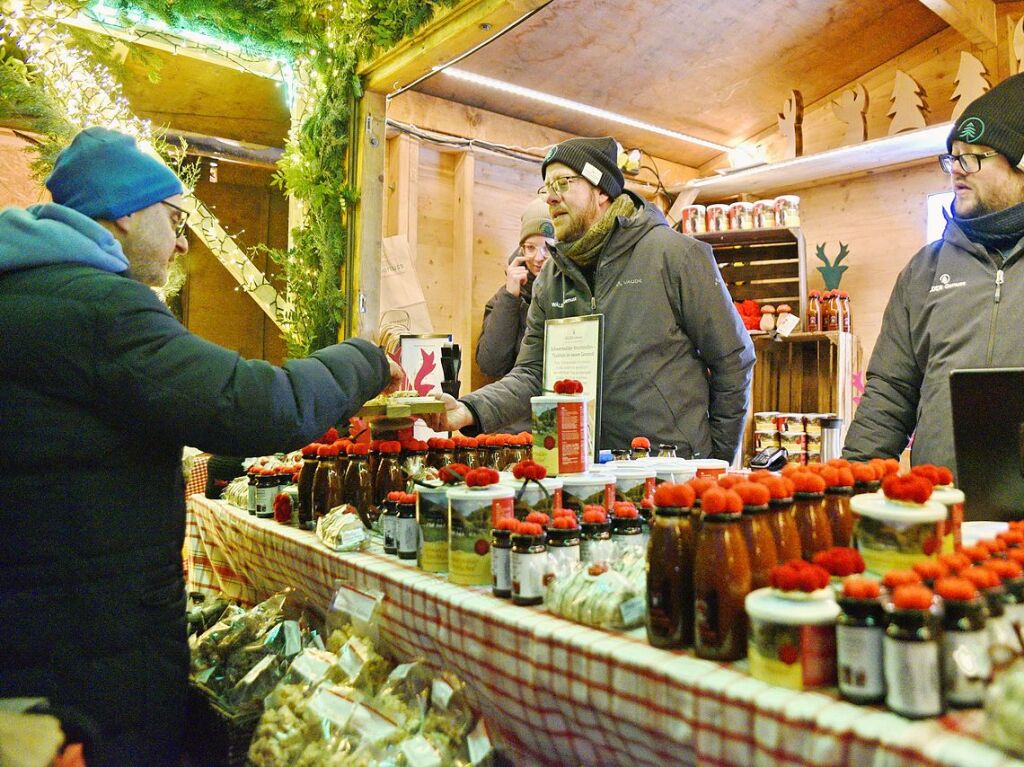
420 358
574 349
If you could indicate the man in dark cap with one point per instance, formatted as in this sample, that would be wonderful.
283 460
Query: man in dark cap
99 389
959 303
677 360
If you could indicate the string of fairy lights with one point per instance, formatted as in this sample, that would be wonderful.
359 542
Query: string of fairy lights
85 93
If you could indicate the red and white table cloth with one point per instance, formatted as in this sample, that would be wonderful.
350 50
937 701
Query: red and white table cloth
559 693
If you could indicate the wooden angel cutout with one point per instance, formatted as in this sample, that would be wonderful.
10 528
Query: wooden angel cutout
907 105
1018 44
850 109
791 125
970 82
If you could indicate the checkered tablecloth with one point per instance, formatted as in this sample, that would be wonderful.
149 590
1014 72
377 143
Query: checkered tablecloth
559 693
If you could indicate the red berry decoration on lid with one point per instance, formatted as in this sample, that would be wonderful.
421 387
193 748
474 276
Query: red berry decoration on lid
981 577
507 523
1006 569
701 485
453 473
808 483
993 545
975 553
862 473
840 561
565 523
859 587
928 471
625 510
669 494
930 569
640 443
797 575
910 488
538 517
956 589
1011 538
912 596
595 515
481 477
753 494
896 578
529 528
718 500
568 386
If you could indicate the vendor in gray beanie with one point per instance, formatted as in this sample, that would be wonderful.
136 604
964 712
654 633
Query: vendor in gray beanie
959 303
677 360
100 387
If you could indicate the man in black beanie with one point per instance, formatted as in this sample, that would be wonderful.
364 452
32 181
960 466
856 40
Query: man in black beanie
677 359
959 303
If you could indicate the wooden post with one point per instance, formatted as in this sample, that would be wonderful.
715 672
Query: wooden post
403 191
361 280
974 19
462 260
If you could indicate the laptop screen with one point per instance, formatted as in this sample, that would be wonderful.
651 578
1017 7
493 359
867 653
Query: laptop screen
988 418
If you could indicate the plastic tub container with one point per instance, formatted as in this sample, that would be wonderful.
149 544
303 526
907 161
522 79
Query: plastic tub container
595 487
472 513
893 535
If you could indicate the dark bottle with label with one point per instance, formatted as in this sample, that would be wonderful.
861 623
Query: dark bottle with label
860 628
388 521
327 485
965 644
501 562
407 531
389 477
912 657
670 578
357 484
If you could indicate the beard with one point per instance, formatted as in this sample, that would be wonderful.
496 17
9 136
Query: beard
574 224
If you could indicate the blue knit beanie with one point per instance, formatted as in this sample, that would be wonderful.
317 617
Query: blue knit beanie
103 174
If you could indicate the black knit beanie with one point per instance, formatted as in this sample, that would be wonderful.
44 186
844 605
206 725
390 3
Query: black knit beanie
596 159
995 119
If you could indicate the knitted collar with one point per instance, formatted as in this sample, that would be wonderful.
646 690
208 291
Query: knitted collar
584 251
1000 230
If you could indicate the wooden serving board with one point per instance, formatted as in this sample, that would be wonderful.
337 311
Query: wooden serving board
403 407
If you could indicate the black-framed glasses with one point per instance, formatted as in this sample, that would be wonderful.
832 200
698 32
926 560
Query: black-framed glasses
558 185
969 163
180 221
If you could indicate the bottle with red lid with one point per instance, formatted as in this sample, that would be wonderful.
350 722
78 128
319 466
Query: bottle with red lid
357 484
670 568
838 490
965 642
814 312
389 477
912 653
327 484
860 628
809 509
721 578
757 531
782 518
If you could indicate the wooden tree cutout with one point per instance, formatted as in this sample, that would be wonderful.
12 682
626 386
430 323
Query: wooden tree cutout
908 108
1018 44
850 109
791 125
970 83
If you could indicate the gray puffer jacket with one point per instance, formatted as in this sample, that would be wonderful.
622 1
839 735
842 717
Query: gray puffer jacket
948 310
677 362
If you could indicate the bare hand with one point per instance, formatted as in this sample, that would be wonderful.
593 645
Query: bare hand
396 380
515 275
455 416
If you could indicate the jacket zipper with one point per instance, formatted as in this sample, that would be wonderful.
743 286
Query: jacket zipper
995 313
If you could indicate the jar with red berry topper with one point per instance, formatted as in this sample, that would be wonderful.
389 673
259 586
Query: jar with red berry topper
1000 631
473 512
588 489
595 535
267 485
535 491
809 511
1012 576
389 477
965 642
252 473
639 448
627 526
781 518
838 490
413 460
519 448
563 538
466 451
310 460
528 564
930 570
949 496
670 549
388 522
757 531
721 578
327 485
912 653
860 628
407 531
440 452
357 484
501 557
792 628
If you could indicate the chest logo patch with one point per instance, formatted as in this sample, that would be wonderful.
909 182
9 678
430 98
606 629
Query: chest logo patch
946 283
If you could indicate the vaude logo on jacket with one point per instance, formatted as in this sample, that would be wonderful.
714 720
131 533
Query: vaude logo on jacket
946 283
561 304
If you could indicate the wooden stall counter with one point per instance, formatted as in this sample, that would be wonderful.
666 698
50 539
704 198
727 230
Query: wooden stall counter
558 693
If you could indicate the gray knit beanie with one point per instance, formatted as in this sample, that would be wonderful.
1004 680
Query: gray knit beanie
995 119
596 159
536 220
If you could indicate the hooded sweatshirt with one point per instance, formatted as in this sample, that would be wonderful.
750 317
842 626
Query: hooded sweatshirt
100 386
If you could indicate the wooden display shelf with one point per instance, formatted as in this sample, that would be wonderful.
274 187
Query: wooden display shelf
823 167
804 373
763 265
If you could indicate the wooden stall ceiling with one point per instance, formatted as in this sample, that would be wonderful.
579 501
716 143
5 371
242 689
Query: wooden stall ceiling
192 95
254 212
714 68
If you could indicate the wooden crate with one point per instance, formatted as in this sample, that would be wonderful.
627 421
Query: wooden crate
804 373
763 265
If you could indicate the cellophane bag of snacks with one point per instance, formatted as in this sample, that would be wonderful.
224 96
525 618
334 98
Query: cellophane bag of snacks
350 705
603 595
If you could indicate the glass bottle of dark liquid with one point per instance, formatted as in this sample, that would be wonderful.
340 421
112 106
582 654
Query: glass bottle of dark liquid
837 509
721 582
782 521
357 484
757 534
670 578
811 519
389 477
327 489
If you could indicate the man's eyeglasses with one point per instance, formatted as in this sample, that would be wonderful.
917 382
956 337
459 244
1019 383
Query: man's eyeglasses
969 163
558 185
180 221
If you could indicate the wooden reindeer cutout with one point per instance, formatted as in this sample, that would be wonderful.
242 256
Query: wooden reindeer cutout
791 125
907 106
850 109
970 83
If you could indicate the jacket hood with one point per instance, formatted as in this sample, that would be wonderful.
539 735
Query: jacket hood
43 235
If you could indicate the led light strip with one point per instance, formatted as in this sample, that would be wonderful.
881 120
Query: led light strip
575 106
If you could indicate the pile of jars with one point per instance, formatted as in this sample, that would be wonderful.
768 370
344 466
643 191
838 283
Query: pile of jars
828 311
267 478
780 212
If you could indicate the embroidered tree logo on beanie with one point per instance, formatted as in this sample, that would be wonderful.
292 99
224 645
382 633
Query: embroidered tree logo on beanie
972 129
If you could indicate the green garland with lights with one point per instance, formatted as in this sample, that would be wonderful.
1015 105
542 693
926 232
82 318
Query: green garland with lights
324 40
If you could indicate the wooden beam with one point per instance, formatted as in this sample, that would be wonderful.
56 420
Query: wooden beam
403 189
367 150
447 36
462 260
974 19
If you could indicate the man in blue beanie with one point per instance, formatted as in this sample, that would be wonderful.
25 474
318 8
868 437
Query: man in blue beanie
99 389
959 302
677 360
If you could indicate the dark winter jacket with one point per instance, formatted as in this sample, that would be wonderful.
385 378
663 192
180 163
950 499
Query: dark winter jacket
99 389
952 307
502 334
677 360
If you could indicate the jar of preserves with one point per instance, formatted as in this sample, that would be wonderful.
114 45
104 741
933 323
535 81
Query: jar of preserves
252 473
912 654
407 531
965 642
782 521
741 215
466 452
432 513
670 577
563 542
414 460
860 628
838 490
595 535
718 218
501 558
357 484
693 220
627 526
757 533
528 564
266 490
721 580
327 485
787 210
310 460
440 452
811 518
388 521
764 214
